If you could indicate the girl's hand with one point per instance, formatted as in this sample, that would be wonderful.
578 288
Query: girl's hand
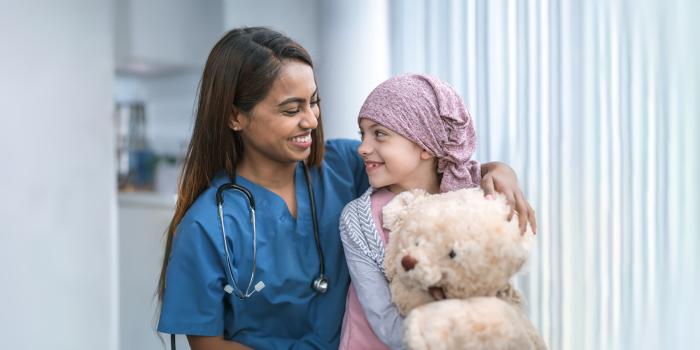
499 177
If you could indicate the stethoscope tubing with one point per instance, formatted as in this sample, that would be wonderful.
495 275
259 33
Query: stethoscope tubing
319 284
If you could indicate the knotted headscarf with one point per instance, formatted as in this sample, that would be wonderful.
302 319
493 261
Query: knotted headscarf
430 113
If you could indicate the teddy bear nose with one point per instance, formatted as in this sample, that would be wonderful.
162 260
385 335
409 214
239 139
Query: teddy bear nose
408 262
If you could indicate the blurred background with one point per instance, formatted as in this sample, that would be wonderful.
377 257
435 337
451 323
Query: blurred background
593 103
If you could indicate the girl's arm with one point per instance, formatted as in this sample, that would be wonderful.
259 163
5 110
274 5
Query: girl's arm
499 177
213 343
372 289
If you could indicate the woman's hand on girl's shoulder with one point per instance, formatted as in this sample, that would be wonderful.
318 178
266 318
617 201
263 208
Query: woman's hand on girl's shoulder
499 177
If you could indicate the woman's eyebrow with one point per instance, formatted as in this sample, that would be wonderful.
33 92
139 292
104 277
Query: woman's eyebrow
295 99
292 100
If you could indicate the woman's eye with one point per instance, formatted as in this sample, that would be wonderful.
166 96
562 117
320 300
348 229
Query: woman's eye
452 254
315 102
291 112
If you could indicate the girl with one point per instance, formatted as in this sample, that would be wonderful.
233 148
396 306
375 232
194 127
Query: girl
416 134
258 125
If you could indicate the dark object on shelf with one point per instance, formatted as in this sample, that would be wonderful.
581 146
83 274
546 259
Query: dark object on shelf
136 161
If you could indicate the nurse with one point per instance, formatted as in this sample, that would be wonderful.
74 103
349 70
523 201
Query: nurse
259 124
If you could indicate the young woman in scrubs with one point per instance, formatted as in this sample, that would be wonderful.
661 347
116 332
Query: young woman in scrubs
258 118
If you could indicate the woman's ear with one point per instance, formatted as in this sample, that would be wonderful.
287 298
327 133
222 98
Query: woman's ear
237 120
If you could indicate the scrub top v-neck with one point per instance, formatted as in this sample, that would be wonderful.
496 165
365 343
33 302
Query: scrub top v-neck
287 312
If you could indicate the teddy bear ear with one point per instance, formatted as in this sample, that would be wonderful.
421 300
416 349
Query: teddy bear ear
395 211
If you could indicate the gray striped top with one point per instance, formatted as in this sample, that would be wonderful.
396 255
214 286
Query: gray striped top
364 252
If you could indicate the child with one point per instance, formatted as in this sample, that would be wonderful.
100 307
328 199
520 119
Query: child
416 133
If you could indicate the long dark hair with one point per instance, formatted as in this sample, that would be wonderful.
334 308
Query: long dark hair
239 73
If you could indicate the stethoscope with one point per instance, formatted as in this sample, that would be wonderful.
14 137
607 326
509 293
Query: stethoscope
319 284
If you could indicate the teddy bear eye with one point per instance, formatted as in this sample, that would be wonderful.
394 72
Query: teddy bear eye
452 254
417 243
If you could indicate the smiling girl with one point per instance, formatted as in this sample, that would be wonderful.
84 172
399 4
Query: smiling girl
416 134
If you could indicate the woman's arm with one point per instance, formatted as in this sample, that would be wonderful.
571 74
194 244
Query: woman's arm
499 177
213 343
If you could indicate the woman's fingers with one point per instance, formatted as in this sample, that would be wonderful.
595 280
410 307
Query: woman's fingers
488 186
522 209
532 218
510 200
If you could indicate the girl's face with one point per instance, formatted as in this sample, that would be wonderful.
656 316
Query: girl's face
279 127
393 161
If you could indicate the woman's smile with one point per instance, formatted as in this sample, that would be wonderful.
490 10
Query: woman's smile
302 141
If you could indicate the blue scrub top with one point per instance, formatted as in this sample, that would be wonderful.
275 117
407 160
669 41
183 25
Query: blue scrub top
287 313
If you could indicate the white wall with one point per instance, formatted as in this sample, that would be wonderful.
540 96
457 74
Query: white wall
142 221
348 41
57 240
296 18
354 59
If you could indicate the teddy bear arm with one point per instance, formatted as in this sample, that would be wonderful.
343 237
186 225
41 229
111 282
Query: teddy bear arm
407 298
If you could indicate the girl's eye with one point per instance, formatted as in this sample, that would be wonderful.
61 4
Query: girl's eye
452 254
362 134
379 133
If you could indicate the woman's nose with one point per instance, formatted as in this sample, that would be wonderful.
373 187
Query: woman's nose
309 120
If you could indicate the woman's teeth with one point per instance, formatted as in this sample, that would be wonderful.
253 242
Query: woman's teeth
302 139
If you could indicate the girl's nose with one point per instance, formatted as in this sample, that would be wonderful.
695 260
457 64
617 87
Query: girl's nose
364 149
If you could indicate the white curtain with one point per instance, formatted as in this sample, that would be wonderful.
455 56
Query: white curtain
595 105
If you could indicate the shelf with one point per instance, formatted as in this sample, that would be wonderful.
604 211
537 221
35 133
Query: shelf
146 200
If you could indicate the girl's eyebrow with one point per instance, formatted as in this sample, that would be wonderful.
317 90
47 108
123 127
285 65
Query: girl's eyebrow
371 126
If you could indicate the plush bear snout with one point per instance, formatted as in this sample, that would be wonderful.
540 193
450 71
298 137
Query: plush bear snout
408 262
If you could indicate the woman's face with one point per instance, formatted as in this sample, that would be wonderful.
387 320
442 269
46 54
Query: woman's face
279 127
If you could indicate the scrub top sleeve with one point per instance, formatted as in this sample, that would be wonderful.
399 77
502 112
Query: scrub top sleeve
361 179
357 165
193 302
372 288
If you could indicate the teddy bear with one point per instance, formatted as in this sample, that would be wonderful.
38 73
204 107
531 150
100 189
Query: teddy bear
449 261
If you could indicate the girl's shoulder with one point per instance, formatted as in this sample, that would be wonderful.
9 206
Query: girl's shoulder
359 206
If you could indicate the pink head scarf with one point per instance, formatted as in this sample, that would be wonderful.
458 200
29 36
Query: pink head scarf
430 113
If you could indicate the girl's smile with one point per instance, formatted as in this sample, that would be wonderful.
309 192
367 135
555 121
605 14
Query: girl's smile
372 166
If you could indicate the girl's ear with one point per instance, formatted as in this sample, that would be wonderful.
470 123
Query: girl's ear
396 210
237 120
425 155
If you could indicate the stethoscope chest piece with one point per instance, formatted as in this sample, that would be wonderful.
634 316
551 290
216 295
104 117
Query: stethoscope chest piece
321 284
